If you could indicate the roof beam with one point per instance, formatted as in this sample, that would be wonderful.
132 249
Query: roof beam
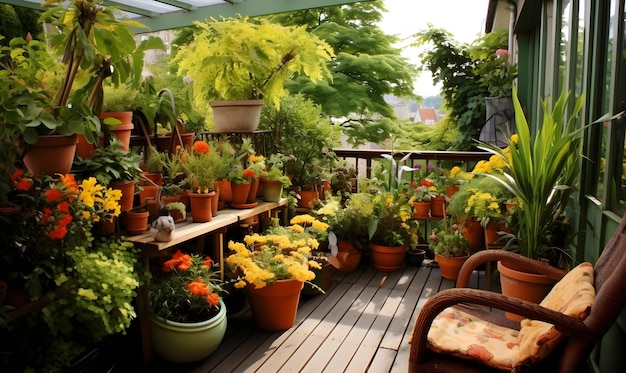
130 9
246 8
178 4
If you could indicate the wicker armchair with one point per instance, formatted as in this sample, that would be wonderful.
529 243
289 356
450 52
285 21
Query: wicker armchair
580 335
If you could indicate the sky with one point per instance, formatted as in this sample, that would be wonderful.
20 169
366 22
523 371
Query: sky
465 19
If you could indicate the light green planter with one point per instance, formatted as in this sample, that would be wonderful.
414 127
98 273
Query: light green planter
272 190
188 342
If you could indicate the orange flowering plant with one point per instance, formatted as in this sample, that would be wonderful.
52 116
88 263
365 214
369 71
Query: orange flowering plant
200 165
185 289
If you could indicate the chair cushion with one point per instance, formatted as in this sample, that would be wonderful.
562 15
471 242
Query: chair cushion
460 334
572 296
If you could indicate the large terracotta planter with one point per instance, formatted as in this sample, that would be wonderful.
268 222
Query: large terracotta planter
451 266
348 256
201 206
272 190
528 286
236 115
387 258
188 342
275 306
50 155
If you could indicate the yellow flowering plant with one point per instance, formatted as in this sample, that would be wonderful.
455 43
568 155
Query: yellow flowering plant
281 253
390 223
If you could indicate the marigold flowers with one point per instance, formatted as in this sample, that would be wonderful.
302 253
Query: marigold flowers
185 289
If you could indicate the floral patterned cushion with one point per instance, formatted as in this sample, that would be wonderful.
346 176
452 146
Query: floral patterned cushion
573 296
460 334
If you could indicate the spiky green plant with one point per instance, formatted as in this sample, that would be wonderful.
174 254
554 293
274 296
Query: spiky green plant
541 171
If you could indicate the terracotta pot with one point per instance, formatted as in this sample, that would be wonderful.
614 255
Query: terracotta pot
438 206
155 177
348 256
169 199
306 197
451 266
104 227
528 286
474 234
422 209
83 148
254 187
128 193
272 190
274 307
149 191
491 233
136 222
236 115
50 155
226 192
9 211
188 342
201 204
387 258
451 190
121 131
215 202
177 215
240 192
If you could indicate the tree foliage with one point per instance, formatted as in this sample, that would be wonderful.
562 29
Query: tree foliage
366 68
17 21
456 67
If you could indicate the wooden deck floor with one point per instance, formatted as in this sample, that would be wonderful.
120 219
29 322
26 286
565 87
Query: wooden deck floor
361 324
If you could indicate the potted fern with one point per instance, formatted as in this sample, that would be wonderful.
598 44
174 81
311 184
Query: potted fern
235 60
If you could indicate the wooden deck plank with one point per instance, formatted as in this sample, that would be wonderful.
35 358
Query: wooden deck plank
362 324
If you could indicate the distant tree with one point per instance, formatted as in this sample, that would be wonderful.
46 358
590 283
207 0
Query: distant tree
17 21
455 66
366 68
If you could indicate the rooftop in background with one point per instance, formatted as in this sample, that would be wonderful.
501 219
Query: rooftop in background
170 14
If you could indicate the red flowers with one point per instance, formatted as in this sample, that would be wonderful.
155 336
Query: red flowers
248 174
21 183
427 183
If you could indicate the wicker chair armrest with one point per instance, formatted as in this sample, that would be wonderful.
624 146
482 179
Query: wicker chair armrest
450 297
513 259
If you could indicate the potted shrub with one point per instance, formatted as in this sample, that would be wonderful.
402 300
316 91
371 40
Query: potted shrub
273 180
178 211
188 314
450 247
114 167
273 269
199 168
234 60
348 226
541 171
89 58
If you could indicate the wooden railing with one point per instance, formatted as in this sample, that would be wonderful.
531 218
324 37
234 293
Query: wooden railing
362 159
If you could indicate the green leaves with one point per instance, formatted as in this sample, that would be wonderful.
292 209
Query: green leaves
542 170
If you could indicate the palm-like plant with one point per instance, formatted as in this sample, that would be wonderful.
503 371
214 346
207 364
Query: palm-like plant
541 171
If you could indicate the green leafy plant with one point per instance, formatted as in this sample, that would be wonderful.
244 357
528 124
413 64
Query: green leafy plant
185 289
348 219
541 172
241 58
448 240
110 164
390 223
199 166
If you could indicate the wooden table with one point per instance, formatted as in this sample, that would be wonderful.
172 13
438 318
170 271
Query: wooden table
184 232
